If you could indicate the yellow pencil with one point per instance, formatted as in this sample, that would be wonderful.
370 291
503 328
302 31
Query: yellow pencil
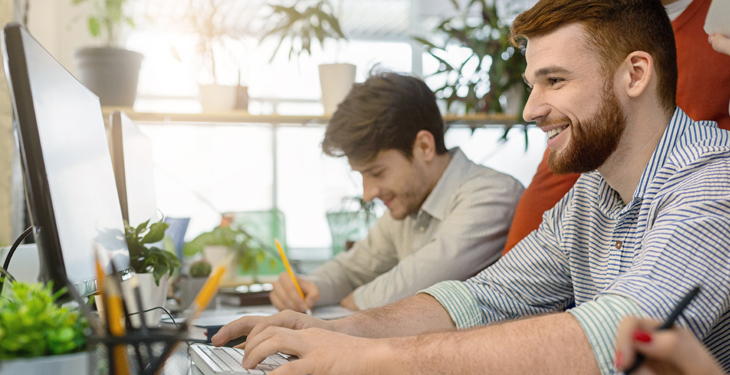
115 315
291 273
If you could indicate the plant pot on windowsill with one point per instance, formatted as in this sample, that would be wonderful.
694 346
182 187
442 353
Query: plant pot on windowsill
110 73
217 98
336 81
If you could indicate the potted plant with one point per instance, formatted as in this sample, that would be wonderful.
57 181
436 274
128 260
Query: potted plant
191 283
153 266
110 71
216 244
215 40
303 26
351 221
490 79
37 336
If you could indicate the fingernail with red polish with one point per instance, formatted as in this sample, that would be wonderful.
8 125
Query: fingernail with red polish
619 358
642 336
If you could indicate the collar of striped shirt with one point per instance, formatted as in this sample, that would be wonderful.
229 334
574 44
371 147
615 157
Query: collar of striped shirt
436 203
612 261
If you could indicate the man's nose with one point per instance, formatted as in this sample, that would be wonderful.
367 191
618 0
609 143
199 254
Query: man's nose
535 108
370 190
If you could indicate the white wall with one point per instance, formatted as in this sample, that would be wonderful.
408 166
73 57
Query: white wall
61 28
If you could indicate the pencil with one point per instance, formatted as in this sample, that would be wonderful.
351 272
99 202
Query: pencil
667 324
115 315
291 273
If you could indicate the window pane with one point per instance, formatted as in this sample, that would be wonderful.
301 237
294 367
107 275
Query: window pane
203 170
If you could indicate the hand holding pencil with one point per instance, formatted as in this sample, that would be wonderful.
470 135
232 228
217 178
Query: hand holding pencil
293 292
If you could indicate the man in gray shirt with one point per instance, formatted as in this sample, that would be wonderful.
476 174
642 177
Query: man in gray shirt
447 217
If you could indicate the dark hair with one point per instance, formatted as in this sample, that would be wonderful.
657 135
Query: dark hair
383 113
615 28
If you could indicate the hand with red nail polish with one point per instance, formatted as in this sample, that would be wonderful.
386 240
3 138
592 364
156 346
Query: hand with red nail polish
674 351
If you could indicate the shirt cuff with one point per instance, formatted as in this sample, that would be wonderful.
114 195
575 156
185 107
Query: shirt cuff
326 291
600 320
459 302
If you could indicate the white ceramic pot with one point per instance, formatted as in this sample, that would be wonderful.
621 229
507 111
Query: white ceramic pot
336 81
217 98
67 364
152 296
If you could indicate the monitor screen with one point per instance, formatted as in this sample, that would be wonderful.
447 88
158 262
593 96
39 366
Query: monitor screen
133 170
67 167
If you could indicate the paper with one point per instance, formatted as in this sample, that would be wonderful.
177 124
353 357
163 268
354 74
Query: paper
718 18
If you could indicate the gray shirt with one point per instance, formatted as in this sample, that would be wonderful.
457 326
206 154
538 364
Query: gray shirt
460 229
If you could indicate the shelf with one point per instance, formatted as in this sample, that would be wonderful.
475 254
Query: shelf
243 117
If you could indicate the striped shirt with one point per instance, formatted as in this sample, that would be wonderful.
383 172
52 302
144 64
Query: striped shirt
460 228
614 260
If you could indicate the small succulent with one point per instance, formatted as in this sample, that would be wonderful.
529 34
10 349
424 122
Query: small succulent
200 268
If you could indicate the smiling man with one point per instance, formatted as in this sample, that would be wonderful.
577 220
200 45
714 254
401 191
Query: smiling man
447 217
647 221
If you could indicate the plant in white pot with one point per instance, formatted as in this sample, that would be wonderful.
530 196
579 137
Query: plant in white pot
153 266
37 336
218 243
304 23
191 283
215 41
111 72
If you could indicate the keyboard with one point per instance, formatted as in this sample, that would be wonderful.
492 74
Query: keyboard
214 361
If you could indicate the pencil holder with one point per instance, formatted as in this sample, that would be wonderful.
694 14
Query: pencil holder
136 352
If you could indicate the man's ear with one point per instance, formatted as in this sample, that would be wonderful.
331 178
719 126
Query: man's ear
424 146
637 72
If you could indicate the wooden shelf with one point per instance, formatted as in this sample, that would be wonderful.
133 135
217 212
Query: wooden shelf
243 117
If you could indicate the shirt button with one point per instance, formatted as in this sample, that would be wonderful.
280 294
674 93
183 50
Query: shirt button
422 229
619 244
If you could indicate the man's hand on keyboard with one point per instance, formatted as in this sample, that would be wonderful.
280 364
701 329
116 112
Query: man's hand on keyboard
253 325
320 351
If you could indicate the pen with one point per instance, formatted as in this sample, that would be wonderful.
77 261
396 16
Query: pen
291 273
666 325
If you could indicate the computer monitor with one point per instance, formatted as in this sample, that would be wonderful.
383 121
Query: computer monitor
133 170
67 169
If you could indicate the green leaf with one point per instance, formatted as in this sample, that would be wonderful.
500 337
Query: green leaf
130 22
141 228
94 26
156 233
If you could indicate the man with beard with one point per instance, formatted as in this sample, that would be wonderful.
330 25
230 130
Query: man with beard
647 221
447 217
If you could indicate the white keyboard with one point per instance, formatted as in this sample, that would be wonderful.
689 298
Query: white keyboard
214 361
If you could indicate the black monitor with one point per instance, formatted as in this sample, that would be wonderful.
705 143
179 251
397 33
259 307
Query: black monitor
133 170
67 169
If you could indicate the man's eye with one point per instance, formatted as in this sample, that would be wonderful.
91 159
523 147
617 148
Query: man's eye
554 80
377 174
